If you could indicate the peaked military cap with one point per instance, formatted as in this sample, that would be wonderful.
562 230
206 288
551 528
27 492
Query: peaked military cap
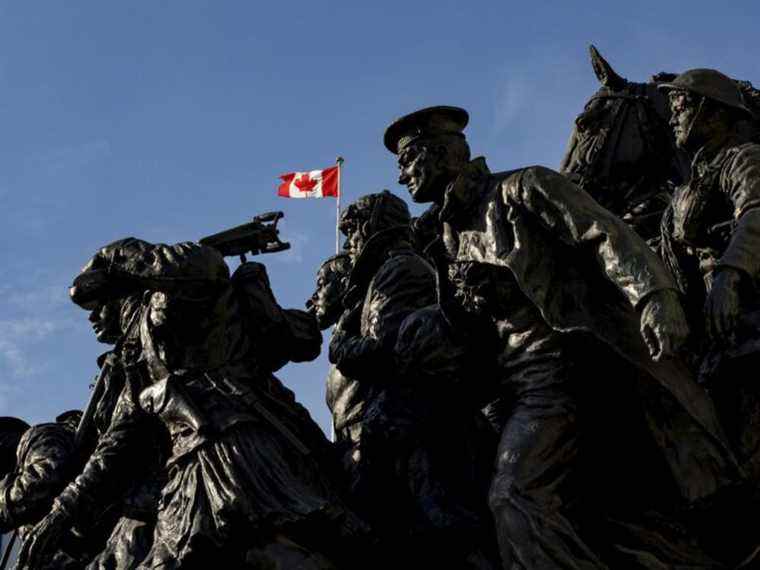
709 83
425 122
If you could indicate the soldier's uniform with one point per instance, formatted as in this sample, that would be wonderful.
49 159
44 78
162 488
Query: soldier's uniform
714 223
45 458
404 283
388 282
129 514
409 435
548 260
344 396
244 463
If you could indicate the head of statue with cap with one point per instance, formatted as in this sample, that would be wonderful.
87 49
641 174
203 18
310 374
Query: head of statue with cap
113 305
381 218
706 106
431 150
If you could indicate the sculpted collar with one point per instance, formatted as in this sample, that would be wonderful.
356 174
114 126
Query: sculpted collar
713 154
464 193
381 245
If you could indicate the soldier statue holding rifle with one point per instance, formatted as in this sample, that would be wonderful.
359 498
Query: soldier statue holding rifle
246 480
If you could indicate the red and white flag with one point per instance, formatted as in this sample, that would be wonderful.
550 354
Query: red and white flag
312 184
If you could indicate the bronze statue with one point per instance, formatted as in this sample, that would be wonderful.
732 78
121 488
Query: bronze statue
43 457
245 484
517 378
11 431
51 455
711 240
415 452
130 513
621 151
716 214
546 264
332 279
345 397
387 282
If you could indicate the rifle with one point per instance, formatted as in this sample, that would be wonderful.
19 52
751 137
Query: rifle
260 235
89 412
85 423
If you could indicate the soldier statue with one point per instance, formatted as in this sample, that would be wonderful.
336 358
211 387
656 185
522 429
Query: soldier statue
547 265
38 463
344 396
244 484
11 431
327 301
415 470
129 514
387 282
715 227
711 242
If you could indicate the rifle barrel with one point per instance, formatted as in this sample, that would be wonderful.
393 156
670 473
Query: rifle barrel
92 404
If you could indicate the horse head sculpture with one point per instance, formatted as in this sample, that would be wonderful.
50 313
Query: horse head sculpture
621 150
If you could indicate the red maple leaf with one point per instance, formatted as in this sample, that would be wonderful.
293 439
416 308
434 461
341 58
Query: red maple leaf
305 183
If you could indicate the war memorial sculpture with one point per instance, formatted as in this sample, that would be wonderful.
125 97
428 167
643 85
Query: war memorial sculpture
544 370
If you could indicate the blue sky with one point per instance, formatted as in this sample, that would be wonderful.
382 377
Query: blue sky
172 120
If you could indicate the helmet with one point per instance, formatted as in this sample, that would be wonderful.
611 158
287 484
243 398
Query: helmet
711 84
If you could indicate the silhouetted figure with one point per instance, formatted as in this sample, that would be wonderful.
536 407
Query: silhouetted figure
418 467
538 259
244 485
45 457
711 242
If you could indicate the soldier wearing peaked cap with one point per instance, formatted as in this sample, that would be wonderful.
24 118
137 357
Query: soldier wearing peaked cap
545 265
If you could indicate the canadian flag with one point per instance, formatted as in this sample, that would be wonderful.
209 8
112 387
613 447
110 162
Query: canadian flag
312 184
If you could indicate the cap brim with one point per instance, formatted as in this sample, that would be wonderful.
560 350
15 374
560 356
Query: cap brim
405 124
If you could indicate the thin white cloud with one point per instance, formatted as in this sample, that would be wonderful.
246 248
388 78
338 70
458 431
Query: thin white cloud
535 101
17 340
35 307
73 156
525 89
35 300
513 96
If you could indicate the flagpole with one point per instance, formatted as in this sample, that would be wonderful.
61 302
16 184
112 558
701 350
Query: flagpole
339 161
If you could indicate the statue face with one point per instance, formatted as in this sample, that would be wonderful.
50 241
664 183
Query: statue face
351 226
683 109
326 301
421 172
105 321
